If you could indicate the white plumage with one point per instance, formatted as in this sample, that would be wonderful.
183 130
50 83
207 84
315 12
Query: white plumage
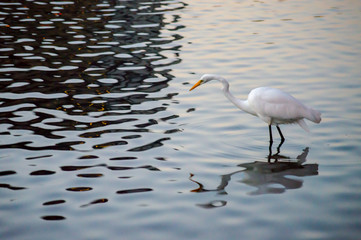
271 105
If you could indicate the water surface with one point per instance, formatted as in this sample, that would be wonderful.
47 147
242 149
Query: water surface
100 136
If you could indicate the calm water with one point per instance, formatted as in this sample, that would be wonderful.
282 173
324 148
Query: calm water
101 139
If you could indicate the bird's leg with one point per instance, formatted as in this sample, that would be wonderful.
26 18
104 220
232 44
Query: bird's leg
282 139
270 135
279 131
277 155
270 143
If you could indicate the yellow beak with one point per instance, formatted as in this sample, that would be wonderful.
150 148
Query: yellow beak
196 85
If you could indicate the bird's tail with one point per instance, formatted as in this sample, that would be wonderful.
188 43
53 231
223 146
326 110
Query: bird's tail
303 125
313 115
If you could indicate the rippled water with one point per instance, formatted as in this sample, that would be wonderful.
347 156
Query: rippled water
101 139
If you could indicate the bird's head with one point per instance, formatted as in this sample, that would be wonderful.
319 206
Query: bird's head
204 79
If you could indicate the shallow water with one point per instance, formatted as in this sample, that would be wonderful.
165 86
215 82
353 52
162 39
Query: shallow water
101 138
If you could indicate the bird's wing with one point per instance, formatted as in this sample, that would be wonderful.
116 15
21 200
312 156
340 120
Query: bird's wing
275 105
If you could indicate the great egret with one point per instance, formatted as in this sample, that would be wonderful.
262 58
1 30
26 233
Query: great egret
271 105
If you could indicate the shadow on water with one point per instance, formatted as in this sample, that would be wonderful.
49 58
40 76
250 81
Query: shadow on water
266 177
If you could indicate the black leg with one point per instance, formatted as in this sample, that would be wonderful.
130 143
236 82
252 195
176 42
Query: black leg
282 140
275 156
279 131
270 134
270 143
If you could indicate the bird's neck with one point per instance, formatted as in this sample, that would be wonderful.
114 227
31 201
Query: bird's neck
241 104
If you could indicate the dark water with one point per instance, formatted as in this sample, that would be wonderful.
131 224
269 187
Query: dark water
100 138
83 76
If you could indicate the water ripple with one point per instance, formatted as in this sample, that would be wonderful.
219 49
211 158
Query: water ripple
137 190
97 124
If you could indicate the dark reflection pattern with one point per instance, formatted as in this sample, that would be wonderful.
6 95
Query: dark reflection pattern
53 218
79 189
84 76
55 202
5 173
87 67
114 168
102 200
10 187
42 172
266 177
139 190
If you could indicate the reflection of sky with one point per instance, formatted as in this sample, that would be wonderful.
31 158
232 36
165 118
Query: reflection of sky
287 39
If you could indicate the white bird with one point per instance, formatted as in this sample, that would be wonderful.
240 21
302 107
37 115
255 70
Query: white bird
271 105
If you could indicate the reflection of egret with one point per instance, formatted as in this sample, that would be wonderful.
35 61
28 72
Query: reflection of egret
271 105
268 177
277 156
